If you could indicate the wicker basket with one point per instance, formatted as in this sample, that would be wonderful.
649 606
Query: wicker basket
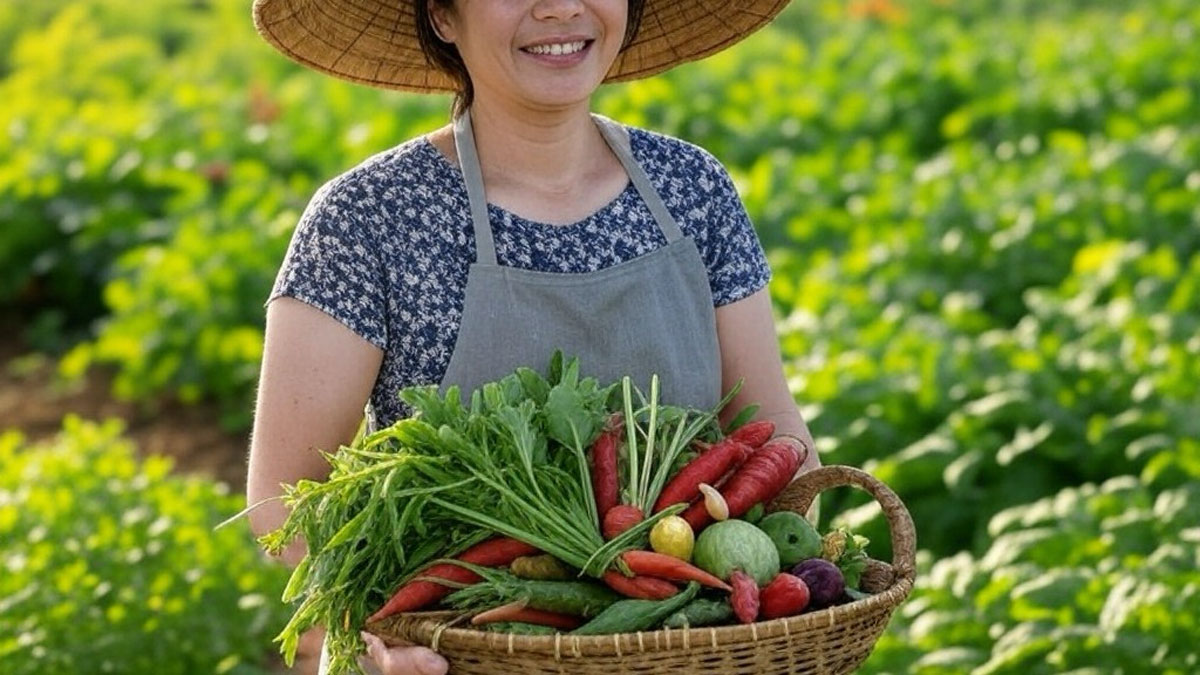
833 640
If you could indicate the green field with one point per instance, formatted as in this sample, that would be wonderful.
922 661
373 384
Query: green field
983 220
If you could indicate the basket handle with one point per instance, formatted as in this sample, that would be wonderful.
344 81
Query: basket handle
799 495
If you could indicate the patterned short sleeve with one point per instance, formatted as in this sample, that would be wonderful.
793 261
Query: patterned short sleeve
737 265
332 261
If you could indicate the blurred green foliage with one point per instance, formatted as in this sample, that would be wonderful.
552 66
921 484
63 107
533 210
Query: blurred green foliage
983 220
112 565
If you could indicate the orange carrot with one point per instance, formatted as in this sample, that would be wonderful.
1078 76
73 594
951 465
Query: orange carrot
661 566
642 587
419 593
517 611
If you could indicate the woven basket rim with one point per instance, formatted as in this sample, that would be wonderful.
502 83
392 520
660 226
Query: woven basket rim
440 631
437 629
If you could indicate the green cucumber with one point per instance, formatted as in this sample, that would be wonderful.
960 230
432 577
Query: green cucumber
627 616
700 612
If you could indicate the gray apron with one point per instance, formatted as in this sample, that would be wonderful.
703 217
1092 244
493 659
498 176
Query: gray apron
652 314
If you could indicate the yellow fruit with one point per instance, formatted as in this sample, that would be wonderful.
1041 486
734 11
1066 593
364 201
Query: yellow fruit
674 537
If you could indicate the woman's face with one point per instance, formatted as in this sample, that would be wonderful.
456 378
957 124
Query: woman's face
541 53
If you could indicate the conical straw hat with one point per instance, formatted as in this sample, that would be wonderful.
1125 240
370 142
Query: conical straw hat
374 42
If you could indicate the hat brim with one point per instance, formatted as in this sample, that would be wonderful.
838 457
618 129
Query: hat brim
375 43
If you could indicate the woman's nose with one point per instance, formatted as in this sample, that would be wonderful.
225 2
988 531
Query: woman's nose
557 9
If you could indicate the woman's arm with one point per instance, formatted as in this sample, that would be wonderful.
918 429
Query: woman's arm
316 378
750 350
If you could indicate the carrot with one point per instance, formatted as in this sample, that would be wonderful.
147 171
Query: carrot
762 476
517 611
620 518
755 433
663 566
707 468
759 479
418 593
604 466
641 587
697 516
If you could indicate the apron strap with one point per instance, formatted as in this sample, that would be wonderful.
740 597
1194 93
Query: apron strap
617 137
468 159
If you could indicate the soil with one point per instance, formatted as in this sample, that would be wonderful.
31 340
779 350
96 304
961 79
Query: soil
34 400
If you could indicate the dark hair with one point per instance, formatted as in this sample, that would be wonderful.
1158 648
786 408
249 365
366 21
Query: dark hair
445 57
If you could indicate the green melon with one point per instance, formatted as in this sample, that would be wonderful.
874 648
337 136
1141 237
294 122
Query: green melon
795 538
731 545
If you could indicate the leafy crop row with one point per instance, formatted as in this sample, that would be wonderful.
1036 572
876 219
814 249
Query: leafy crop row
111 564
1099 578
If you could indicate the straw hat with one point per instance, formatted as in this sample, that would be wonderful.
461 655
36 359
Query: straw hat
374 42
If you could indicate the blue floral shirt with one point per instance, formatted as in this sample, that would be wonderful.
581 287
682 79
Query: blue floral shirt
385 247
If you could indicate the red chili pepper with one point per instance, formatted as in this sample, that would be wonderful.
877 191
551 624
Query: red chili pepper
661 566
642 587
707 468
419 593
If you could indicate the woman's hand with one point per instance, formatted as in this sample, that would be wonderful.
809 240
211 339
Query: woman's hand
403 660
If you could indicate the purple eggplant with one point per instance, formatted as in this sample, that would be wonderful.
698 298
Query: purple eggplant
824 579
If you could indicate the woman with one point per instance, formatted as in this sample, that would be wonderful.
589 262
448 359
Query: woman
526 225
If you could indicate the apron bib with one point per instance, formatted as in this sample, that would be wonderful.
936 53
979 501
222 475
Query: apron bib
651 314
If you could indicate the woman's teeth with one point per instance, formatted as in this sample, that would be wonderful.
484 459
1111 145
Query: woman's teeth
557 49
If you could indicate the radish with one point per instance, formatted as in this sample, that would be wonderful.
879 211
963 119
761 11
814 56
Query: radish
620 518
745 598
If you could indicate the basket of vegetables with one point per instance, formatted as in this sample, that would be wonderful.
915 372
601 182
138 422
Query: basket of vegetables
554 525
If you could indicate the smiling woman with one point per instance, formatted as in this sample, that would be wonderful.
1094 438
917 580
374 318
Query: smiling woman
526 225
445 55
555 52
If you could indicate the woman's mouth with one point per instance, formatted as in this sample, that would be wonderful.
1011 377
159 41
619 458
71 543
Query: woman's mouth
566 53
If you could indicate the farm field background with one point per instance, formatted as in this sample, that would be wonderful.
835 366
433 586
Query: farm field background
983 220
